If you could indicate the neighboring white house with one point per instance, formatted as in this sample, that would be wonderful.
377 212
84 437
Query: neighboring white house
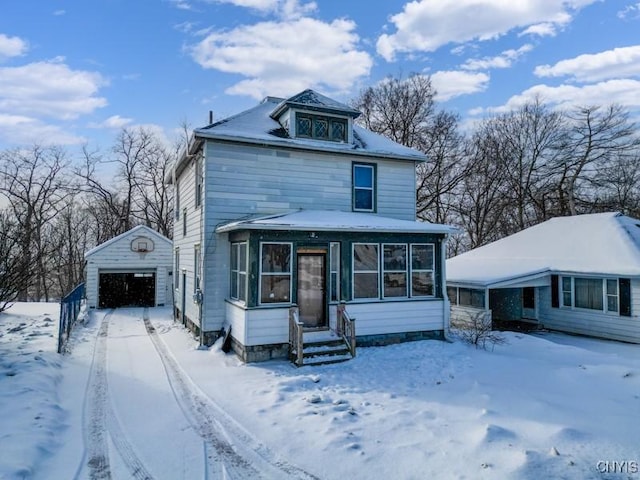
132 269
291 204
577 274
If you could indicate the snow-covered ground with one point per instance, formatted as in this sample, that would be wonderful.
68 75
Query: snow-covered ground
139 400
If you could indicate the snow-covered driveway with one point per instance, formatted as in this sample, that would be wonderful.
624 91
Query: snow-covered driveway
144 417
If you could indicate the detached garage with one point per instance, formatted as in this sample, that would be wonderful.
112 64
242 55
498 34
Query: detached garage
130 270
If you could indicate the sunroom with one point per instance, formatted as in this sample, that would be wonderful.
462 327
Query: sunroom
387 273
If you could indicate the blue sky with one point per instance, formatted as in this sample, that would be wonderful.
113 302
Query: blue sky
77 71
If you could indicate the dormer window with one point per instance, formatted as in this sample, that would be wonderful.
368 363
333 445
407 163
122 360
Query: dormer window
321 127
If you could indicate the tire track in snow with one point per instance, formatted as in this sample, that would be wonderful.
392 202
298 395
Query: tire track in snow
101 422
229 448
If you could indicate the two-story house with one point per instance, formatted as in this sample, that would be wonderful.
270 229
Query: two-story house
290 203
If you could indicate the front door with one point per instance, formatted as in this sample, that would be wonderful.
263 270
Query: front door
312 298
529 303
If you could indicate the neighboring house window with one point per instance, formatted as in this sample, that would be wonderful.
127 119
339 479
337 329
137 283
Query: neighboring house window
177 212
394 264
452 293
612 295
184 222
422 260
364 190
591 293
471 297
275 272
239 271
199 181
365 270
321 128
197 267
176 269
567 292
334 270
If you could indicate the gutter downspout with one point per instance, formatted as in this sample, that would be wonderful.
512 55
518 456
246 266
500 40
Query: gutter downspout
446 306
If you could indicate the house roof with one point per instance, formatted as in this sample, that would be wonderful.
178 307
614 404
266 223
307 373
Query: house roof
602 243
139 230
257 125
325 220
311 100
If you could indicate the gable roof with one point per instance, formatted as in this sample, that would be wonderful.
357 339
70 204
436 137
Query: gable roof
601 243
139 230
330 220
257 126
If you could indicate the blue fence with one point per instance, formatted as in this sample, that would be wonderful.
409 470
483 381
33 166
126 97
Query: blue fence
69 310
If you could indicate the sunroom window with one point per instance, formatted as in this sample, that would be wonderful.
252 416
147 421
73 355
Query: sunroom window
334 262
365 270
422 270
394 270
275 273
239 271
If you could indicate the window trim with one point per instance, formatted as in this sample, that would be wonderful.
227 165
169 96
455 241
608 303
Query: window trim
353 272
332 271
373 188
261 273
177 204
184 222
406 271
239 272
199 183
604 292
197 267
176 269
419 270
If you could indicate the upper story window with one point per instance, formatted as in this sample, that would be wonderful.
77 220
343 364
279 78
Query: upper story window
199 180
364 187
321 128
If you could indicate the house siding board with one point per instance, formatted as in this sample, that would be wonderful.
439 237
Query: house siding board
187 242
592 323
396 317
237 318
240 176
267 326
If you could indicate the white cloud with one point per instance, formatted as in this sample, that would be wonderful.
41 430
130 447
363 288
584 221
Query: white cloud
282 8
22 130
450 84
114 122
59 13
504 60
623 92
426 25
51 89
12 46
617 63
280 58
630 12
545 29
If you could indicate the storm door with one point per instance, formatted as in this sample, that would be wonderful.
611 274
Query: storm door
312 298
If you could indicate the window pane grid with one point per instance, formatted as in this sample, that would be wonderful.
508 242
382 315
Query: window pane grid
363 187
422 258
365 270
334 270
239 271
394 270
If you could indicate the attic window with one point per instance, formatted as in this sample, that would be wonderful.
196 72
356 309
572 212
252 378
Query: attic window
321 128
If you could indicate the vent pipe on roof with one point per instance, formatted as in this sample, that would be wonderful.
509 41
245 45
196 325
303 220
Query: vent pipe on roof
210 117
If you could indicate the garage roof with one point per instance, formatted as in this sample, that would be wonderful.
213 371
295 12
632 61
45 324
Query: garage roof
139 230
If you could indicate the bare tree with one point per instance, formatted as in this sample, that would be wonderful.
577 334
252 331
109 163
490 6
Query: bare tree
13 279
36 182
596 137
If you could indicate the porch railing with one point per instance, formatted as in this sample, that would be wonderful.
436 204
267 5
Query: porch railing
69 311
296 343
346 328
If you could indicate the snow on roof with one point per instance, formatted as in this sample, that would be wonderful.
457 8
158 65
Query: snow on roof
601 243
325 220
255 125
140 229
314 100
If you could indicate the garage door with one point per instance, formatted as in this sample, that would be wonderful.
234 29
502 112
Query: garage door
130 289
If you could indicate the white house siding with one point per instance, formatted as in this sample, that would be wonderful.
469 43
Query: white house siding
237 318
118 257
251 180
397 317
592 323
186 243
